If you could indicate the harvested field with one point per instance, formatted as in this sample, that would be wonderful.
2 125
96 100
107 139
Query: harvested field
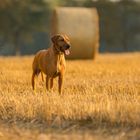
101 100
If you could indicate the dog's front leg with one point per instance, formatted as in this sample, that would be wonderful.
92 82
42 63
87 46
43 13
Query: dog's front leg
51 85
60 83
48 83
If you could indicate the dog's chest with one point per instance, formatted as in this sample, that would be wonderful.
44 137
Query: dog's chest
60 64
55 65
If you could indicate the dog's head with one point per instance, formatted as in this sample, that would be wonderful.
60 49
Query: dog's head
61 43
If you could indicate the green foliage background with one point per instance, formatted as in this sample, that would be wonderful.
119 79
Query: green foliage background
25 24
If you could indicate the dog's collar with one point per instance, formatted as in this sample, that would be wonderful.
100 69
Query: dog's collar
57 51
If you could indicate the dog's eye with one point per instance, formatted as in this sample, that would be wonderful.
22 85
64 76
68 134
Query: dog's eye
62 39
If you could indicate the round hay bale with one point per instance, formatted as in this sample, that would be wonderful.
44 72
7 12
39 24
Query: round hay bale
82 27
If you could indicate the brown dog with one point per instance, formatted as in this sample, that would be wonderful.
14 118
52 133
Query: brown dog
52 61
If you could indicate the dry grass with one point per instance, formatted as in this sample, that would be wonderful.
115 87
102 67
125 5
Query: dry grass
101 96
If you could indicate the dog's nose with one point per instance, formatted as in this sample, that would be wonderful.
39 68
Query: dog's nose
67 46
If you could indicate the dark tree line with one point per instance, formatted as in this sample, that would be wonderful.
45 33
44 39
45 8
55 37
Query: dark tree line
20 19
25 21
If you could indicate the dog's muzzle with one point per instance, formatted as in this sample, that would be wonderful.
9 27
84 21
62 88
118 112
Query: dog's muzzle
67 51
67 47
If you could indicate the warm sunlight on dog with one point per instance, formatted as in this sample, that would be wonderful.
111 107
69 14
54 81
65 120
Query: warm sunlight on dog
52 62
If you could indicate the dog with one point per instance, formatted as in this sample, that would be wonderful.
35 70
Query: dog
51 61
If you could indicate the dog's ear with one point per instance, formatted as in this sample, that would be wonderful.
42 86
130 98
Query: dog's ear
54 38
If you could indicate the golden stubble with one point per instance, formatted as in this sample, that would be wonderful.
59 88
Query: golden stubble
104 91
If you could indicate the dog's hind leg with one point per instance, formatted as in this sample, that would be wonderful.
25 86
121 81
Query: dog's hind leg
48 83
42 76
33 80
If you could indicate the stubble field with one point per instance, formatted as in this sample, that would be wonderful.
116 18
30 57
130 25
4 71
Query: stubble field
101 100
